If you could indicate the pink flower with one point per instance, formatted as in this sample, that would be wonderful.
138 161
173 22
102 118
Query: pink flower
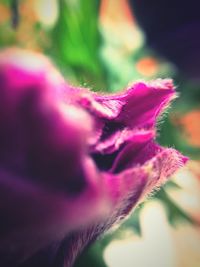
72 162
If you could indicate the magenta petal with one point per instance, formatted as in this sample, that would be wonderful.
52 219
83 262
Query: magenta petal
126 190
113 143
136 152
106 107
119 115
72 162
138 106
49 186
32 217
130 187
145 102
161 167
40 137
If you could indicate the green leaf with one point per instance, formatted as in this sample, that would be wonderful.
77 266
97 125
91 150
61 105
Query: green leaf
133 221
93 257
75 42
174 213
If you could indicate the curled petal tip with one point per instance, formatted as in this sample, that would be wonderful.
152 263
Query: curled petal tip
162 84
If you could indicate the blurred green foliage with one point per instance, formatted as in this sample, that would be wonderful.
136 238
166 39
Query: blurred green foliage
78 42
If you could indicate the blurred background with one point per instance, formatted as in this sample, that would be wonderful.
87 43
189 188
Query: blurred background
106 45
